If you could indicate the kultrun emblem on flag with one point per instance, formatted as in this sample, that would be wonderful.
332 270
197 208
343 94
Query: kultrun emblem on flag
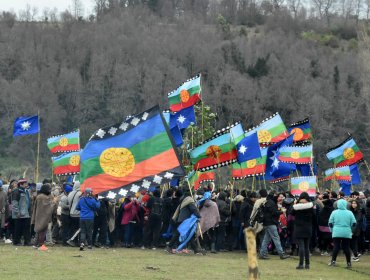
346 153
69 142
304 184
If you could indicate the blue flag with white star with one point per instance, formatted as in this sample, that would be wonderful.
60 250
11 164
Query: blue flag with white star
275 168
26 125
183 118
174 129
248 148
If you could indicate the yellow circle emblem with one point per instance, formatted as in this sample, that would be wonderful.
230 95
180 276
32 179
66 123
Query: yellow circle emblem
251 163
264 136
184 95
74 160
349 153
337 173
294 154
298 133
213 152
117 162
304 186
63 142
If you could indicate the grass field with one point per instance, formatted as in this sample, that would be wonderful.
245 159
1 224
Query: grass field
70 263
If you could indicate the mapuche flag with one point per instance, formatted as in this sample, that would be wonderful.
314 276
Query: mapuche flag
219 150
252 167
346 153
342 173
306 184
66 164
196 178
302 130
127 157
270 131
69 142
185 95
296 154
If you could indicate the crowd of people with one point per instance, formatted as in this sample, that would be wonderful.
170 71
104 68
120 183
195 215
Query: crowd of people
43 214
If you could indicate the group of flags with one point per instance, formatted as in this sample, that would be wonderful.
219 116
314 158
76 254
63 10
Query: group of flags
140 152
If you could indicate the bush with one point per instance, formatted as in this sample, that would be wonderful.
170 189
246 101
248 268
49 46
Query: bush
346 32
352 45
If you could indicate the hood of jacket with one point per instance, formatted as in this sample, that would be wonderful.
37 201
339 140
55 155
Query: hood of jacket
342 204
77 186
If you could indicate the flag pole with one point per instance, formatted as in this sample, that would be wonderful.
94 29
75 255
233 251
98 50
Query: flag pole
202 105
38 148
192 196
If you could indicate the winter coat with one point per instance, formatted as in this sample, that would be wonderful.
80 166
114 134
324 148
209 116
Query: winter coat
342 221
235 213
367 215
186 208
73 199
358 216
245 212
209 215
271 213
223 209
21 202
130 213
87 207
3 207
63 204
304 218
43 209
111 216
323 219
167 209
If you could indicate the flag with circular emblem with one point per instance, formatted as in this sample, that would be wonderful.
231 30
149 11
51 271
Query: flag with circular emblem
271 130
66 164
346 153
133 155
306 184
186 95
69 142
296 154
196 178
342 173
302 131
252 167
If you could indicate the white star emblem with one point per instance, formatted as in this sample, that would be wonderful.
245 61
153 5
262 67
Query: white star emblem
145 116
100 133
146 184
276 163
157 179
242 149
168 175
26 125
111 195
134 188
112 131
181 119
123 192
273 156
135 121
123 126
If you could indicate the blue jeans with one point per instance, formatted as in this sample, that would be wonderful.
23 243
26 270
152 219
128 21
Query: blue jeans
127 233
271 233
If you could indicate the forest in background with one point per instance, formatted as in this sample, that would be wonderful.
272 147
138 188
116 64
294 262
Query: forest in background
256 58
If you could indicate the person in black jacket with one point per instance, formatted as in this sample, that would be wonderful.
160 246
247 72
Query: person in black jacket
271 215
358 213
303 225
152 233
101 224
224 210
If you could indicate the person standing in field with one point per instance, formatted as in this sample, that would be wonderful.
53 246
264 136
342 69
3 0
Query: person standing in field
341 222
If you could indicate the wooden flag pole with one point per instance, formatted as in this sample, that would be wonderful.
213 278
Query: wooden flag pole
368 169
192 196
38 148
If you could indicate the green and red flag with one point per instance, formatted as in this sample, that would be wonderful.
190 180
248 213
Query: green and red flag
302 131
196 178
131 156
271 130
69 142
219 150
346 153
296 154
253 167
185 95
303 184
342 173
66 164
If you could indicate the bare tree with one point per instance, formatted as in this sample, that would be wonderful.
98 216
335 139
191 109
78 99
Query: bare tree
77 9
294 6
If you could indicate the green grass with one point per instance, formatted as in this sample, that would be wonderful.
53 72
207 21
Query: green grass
70 263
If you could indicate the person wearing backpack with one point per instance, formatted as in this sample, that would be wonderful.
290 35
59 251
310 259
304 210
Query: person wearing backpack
153 229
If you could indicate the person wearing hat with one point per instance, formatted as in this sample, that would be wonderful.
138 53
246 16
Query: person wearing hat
64 217
87 206
21 213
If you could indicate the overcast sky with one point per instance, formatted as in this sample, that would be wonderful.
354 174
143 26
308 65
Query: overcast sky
61 5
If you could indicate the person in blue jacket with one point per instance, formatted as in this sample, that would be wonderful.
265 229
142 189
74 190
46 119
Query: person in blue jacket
87 206
341 222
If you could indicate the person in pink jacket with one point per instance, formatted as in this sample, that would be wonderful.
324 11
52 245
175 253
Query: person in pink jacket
130 216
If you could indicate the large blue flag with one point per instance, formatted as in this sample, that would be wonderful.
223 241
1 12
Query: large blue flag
248 148
174 129
184 118
355 174
275 168
26 125
305 169
345 187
